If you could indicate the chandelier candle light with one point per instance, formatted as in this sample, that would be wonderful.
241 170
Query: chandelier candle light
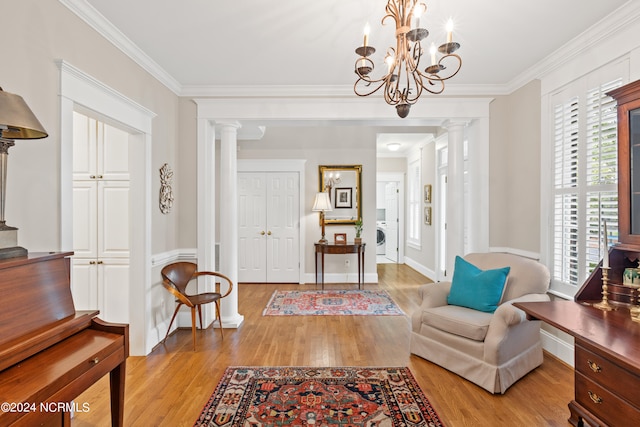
404 81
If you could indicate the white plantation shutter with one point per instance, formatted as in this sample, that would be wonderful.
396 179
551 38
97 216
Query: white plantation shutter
566 239
584 179
602 171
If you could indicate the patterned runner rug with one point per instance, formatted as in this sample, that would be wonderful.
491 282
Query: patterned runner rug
298 396
332 303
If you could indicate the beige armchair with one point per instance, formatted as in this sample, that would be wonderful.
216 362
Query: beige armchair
492 350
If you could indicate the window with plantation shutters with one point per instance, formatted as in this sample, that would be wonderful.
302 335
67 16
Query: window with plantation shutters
585 174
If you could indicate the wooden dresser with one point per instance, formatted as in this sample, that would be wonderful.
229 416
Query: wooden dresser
607 360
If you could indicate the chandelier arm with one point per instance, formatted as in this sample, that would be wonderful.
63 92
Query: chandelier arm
359 86
458 67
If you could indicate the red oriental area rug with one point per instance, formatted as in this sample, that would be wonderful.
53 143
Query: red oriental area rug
304 396
332 303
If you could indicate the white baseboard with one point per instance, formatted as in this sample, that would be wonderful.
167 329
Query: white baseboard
559 348
420 268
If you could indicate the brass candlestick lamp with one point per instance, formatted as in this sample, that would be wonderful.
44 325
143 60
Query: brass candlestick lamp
17 121
322 204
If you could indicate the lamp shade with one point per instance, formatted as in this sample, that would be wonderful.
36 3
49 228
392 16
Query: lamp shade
322 202
17 121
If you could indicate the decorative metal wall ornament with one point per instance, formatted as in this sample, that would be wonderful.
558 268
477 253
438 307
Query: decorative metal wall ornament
404 81
166 193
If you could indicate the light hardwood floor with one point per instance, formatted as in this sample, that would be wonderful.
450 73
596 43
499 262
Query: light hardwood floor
171 385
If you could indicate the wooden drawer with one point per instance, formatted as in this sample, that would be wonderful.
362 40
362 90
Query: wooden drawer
605 405
609 375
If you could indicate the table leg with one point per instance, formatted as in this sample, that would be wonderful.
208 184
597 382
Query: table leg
362 254
322 272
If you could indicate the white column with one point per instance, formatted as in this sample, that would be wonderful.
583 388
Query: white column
228 209
455 194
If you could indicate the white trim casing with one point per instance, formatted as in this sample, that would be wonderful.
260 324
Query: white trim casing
81 91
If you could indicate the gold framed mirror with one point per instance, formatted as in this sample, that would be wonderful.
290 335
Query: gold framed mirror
344 185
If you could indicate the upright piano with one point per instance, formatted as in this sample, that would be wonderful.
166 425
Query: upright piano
49 352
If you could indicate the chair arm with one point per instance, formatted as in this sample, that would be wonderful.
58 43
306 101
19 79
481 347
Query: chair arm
505 318
434 294
507 315
216 274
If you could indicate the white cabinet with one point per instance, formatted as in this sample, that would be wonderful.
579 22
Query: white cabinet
269 227
100 151
102 285
101 219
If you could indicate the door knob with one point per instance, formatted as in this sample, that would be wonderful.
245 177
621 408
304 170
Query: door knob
269 233
262 233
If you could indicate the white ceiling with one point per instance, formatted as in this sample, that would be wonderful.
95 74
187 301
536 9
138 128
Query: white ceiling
197 45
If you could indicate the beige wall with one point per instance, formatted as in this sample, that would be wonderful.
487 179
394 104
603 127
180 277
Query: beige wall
514 165
38 33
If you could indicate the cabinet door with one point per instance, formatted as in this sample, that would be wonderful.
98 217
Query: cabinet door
252 227
113 219
629 172
85 217
113 279
84 284
283 225
113 153
85 136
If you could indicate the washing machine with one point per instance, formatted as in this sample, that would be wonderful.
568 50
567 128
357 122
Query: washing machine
381 238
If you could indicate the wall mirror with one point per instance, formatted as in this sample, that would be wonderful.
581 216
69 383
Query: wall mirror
344 185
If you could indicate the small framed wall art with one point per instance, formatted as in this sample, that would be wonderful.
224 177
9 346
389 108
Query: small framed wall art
427 193
343 198
427 215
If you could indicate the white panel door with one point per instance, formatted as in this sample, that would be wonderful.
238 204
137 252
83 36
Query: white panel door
113 285
252 223
113 153
84 147
113 219
84 284
392 217
85 219
269 230
283 253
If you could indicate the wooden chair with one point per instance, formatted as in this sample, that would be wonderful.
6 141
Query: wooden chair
176 277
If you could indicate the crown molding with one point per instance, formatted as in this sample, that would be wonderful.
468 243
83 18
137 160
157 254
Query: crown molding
104 27
608 26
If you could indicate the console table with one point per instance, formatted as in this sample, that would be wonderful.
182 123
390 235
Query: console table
607 360
338 249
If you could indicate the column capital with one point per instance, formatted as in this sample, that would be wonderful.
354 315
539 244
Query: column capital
454 125
228 124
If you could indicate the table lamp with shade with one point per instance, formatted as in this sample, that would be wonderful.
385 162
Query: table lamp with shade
17 121
322 204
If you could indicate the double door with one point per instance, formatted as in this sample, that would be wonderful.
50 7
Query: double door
101 219
269 227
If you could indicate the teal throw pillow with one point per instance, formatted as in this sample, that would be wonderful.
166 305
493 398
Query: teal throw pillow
475 288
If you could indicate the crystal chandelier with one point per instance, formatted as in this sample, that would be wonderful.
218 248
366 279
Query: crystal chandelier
404 81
